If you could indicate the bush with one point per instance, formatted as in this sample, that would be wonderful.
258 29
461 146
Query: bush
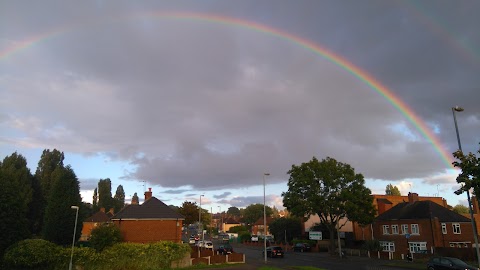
245 236
32 254
105 235
372 245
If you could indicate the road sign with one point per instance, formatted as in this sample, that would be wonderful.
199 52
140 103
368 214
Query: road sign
312 235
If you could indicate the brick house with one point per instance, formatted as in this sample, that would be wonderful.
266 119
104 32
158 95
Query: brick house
151 221
229 223
257 227
93 221
384 203
420 226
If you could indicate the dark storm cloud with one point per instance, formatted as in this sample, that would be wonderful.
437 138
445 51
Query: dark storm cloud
191 103
175 191
223 195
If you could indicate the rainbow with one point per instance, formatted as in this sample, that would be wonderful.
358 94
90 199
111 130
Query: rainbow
336 59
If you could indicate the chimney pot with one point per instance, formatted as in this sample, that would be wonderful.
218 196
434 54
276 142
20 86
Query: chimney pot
148 194
412 197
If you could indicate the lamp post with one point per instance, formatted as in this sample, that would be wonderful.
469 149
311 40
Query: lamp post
221 218
200 216
264 220
74 232
466 188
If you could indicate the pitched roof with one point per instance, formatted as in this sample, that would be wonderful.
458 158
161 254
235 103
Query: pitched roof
231 221
100 216
153 208
260 221
385 201
421 210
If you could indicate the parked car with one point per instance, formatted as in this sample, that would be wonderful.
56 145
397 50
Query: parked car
200 243
437 263
301 247
225 249
254 238
191 240
208 244
274 251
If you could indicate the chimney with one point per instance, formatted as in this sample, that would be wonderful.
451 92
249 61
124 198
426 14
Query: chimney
412 197
148 194
135 200
102 209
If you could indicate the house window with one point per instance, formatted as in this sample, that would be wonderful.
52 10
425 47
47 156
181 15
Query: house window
444 228
394 229
387 246
415 229
456 228
460 244
386 229
417 247
404 228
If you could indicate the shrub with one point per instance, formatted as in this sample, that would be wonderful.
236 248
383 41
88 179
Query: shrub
245 236
105 235
32 254
372 245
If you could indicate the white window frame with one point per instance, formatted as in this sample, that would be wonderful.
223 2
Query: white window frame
386 229
394 229
404 228
417 246
444 228
387 246
415 229
456 228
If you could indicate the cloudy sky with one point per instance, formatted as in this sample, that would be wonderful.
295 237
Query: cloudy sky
203 97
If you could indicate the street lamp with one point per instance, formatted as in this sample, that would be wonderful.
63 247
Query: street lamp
221 218
200 215
466 187
264 220
74 232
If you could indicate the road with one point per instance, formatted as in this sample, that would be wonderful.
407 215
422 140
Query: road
254 259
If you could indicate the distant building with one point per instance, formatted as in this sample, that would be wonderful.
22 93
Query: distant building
93 221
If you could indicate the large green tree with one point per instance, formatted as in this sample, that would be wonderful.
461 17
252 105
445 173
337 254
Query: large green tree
330 189
288 228
233 211
469 176
59 215
190 211
105 199
15 198
460 209
49 161
254 212
392 190
119 198
95 200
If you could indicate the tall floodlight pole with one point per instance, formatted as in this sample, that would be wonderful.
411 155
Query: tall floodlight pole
467 186
264 220
74 232
200 216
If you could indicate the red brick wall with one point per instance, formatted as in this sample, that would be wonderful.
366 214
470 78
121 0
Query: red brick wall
145 231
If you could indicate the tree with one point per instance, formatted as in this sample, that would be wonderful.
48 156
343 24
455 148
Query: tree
190 211
289 227
95 200
255 211
135 199
330 189
49 161
119 198
238 229
233 211
104 236
105 199
469 176
14 224
59 216
392 190
460 209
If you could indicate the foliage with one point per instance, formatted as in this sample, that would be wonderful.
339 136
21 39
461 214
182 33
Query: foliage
392 190
190 211
105 235
469 177
95 200
119 198
244 236
292 227
233 211
32 254
237 229
372 245
254 212
105 199
59 216
460 209
135 199
330 189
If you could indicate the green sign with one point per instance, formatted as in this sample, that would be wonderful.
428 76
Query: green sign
315 235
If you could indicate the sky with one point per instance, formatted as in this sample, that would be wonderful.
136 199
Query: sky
194 98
